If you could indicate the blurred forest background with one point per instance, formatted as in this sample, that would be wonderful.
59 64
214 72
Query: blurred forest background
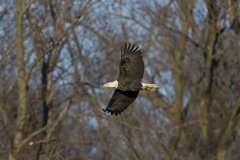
55 55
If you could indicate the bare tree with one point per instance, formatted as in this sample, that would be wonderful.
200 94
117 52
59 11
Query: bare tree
63 51
22 85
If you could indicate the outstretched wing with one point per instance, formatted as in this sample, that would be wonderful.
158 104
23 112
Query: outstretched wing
131 65
120 101
131 68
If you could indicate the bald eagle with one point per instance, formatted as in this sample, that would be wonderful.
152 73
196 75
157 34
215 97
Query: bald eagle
129 82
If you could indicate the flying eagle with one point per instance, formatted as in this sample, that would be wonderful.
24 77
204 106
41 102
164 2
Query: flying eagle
129 82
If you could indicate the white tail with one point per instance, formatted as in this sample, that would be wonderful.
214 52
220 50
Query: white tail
151 87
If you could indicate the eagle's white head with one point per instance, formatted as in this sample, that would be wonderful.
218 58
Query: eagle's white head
113 84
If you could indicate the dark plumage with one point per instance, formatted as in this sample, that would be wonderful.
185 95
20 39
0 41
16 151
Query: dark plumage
120 101
129 80
131 69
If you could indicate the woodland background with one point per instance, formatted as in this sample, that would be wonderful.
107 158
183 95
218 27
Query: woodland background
55 55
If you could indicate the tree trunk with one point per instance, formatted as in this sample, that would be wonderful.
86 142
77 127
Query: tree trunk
22 85
47 100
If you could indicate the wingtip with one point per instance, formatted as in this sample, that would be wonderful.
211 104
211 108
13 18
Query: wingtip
104 110
130 48
111 112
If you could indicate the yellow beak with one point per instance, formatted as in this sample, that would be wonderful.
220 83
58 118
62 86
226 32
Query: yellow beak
105 85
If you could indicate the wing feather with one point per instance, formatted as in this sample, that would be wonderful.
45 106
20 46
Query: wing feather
120 101
131 68
131 58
